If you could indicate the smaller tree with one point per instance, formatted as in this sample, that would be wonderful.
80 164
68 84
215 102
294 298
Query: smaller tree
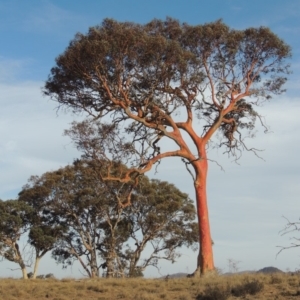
69 203
116 233
80 214
43 238
13 225
154 211
83 218
44 229
161 217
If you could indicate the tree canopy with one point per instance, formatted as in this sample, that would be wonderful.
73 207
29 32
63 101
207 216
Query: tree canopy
88 222
13 225
162 216
165 80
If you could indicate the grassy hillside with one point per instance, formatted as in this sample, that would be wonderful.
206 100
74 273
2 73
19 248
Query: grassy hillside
251 286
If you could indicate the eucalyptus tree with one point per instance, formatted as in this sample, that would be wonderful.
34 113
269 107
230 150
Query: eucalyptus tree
169 81
162 221
22 220
73 202
82 218
44 230
13 226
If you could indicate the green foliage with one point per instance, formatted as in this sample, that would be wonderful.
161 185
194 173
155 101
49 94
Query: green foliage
12 218
13 224
148 73
81 218
163 216
13 221
44 237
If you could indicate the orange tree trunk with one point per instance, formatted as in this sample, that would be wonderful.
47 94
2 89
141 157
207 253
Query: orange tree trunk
205 258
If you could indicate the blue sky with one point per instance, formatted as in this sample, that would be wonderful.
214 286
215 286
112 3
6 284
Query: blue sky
246 202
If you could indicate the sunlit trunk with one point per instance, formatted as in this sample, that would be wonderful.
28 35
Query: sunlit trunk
24 273
23 268
36 266
205 259
93 265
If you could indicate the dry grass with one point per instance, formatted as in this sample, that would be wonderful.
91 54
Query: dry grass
251 286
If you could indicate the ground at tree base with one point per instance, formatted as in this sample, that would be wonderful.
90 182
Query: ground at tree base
264 287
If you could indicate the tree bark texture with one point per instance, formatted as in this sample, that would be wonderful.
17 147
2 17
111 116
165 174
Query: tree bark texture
36 266
205 258
110 265
93 264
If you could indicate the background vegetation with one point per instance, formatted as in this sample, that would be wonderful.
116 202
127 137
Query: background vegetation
247 286
73 214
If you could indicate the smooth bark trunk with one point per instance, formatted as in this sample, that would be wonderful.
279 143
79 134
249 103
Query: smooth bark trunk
36 266
205 258
24 272
93 264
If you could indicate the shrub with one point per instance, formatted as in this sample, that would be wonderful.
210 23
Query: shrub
214 292
275 279
248 287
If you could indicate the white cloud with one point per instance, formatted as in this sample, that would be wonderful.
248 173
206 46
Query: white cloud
11 68
31 136
41 17
48 17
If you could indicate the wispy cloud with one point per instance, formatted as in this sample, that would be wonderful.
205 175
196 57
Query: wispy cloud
48 17
10 69
31 136
44 16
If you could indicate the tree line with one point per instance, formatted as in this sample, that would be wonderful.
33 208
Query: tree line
71 213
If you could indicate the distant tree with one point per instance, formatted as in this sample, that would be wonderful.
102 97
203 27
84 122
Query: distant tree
162 219
94 223
12 228
21 219
116 231
43 238
71 200
44 229
170 81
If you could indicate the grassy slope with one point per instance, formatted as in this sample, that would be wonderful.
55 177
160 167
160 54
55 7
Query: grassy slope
277 286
